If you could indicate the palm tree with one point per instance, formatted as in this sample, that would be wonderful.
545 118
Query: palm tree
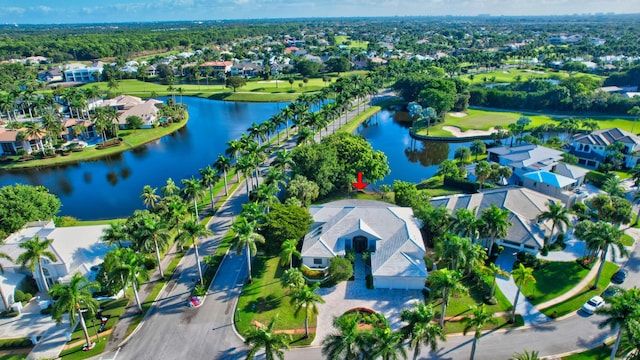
170 188
478 147
478 319
305 298
131 267
495 224
245 165
191 231
153 234
448 283
209 178
622 308
348 343
466 224
599 237
115 233
495 271
5 300
455 249
559 216
387 344
266 338
71 298
483 171
283 159
223 164
288 251
420 329
191 191
34 251
521 276
149 196
526 355
246 239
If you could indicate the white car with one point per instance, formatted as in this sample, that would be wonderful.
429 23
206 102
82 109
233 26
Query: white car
593 304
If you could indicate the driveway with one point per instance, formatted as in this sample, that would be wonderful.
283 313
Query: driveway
352 294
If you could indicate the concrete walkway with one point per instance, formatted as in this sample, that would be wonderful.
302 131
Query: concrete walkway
529 313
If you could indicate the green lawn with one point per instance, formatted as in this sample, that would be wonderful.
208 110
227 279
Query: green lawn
578 300
352 44
597 353
484 119
112 308
507 76
627 240
265 298
13 357
459 305
131 139
553 280
355 121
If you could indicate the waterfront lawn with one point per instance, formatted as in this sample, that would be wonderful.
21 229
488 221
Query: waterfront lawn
508 76
554 279
578 300
265 299
355 121
131 139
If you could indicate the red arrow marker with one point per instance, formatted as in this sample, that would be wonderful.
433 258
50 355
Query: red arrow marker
359 185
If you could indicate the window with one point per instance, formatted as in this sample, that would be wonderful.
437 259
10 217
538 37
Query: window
317 261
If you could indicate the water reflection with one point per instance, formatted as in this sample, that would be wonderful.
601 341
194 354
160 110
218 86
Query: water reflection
428 153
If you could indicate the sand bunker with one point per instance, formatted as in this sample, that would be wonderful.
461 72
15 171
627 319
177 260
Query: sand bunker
457 114
456 132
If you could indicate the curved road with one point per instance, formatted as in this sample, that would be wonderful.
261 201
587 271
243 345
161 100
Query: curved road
174 331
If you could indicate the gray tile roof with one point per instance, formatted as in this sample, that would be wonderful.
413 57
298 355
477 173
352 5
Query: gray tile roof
399 245
605 137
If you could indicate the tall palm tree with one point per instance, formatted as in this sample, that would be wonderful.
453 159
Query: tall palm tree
283 159
478 319
478 147
266 338
483 171
521 276
131 267
387 344
447 283
495 224
192 191
622 308
209 178
288 251
71 298
466 224
420 329
34 251
191 231
149 196
246 239
347 343
223 164
245 165
153 235
170 188
559 216
115 233
599 237
5 300
455 249
305 299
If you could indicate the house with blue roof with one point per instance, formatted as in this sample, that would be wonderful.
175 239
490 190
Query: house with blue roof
552 184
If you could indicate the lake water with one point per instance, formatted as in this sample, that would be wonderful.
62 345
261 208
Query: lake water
409 160
111 187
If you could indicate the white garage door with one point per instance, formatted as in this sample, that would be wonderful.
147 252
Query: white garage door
386 282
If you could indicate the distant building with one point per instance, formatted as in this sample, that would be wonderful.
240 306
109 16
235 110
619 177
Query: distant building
126 106
83 73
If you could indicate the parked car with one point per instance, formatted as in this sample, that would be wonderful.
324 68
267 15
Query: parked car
610 291
593 304
194 301
619 277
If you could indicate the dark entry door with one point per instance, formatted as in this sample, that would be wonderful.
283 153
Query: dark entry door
360 244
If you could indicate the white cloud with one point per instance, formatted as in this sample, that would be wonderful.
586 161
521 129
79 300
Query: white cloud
13 10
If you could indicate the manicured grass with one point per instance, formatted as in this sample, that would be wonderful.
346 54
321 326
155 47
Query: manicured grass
15 343
112 308
597 353
578 300
131 139
484 119
340 195
355 121
459 305
13 357
501 322
265 299
627 240
554 279
507 76
353 44
434 186
76 222
261 97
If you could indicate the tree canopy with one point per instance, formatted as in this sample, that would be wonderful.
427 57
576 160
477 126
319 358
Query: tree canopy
20 204
284 222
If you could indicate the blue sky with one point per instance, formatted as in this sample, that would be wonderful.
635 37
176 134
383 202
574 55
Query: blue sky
82 11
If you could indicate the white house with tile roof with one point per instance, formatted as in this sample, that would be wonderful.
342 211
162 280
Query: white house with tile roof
524 205
390 233
77 249
590 148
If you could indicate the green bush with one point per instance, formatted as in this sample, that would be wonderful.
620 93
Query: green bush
199 290
150 263
528 260
544 251
9 314
369 281
340 269
18 296
596 178
350 255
